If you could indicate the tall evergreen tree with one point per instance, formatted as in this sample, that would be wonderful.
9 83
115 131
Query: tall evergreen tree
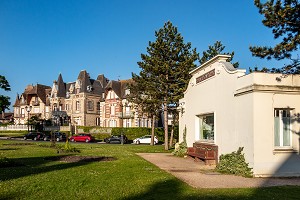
142 95
167 66
283 16
214 50
4 100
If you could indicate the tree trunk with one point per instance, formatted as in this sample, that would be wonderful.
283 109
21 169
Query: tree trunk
152 130
171 137
166 125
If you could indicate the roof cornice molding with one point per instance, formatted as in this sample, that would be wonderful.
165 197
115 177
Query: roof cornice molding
217 58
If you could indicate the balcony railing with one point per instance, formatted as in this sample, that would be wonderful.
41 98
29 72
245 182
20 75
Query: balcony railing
125 115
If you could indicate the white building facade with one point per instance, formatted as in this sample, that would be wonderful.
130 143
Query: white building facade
260 112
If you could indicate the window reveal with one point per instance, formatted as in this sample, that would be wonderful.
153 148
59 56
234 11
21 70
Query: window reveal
282 127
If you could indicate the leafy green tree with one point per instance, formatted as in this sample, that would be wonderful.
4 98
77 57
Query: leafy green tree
167 66
215 50
4 100
283 16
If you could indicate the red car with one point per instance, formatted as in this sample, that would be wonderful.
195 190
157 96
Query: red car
82 137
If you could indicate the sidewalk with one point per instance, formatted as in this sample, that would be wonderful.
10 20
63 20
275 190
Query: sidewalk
199 175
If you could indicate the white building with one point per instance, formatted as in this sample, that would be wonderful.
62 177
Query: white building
259 111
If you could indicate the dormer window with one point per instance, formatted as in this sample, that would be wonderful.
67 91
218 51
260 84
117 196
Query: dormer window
89 88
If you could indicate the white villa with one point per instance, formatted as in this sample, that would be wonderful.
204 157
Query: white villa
224 107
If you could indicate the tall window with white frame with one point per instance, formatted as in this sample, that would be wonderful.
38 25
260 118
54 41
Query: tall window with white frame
282 128
77 105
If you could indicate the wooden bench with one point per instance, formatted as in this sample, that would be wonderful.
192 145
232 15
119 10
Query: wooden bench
204 151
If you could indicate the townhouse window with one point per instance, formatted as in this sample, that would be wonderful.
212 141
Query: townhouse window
112 110
90 105
98 107
97 121
77 105
22 112
282 128
55 107
206 126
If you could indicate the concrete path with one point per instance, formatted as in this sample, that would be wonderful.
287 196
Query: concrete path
199 175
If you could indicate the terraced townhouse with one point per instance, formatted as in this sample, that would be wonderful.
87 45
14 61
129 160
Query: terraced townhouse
84 102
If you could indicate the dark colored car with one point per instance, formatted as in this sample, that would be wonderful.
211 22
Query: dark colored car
82 137
34 136
117 139
58 136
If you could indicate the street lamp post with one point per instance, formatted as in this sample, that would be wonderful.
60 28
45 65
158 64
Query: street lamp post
28 109
122 142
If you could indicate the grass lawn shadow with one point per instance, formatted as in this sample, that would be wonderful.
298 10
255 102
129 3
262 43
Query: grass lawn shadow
21 167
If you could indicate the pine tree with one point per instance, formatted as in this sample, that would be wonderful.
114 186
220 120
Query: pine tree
214 50
166 68
283 16
142 95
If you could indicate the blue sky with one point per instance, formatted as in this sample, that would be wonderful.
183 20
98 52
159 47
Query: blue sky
41 38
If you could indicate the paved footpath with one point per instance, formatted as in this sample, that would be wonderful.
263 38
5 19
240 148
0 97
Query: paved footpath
199 175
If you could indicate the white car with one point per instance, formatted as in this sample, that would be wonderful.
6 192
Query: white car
146 139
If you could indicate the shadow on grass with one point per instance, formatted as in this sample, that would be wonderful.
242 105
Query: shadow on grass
22 167
173 189
8 149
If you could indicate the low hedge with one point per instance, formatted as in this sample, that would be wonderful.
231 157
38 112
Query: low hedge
131 133
14 131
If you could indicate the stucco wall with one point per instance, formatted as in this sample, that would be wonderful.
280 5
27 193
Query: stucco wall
268 160
243 107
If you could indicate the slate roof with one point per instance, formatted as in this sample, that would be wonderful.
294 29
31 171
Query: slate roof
38 90
118 87
61 87
96 86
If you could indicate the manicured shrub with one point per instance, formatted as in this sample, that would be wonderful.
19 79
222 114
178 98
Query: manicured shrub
234 163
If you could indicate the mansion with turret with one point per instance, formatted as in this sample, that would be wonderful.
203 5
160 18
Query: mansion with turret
84 102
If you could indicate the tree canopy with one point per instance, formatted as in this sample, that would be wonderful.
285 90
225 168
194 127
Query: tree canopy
165 70
214 50
283 16
4 100
4 83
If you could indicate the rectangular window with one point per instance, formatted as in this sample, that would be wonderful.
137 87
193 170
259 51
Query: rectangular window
77 105
90 105
207 127
282 127
22 112
112 110
97 121
36 110
98 107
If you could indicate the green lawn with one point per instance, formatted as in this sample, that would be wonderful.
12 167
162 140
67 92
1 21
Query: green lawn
36 176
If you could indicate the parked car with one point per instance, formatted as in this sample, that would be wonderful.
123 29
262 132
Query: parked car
146 139
116 139
58 136
82 137
34 136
